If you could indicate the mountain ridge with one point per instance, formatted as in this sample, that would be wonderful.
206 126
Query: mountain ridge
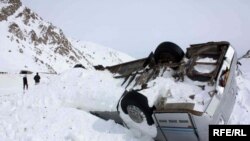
40 46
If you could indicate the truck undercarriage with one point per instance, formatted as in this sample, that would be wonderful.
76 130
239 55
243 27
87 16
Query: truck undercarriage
205 75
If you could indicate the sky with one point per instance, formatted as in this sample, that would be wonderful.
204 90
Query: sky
138 27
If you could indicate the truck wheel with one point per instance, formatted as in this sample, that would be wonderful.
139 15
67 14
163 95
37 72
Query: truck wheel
168 52
136 106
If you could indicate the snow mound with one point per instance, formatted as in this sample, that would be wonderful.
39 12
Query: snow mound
89 90
241 112
56 109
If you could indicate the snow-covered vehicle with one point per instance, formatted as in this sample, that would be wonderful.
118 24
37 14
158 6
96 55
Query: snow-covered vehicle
200 90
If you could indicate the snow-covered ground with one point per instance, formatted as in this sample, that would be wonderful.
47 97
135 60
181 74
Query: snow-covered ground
241 112
57 108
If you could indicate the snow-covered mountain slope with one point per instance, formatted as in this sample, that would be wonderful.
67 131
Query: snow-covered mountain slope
28 42
57 108
97 54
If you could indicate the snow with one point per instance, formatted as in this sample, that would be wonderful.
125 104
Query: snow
40 57
139 129
241 112
3 5
137 27
206 59
57 108
204 68
89 90
178 92
182 92
102 55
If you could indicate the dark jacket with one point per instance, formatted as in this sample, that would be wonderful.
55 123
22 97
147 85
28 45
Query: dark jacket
37 78
25 81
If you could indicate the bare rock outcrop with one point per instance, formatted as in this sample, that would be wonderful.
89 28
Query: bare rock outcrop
9 9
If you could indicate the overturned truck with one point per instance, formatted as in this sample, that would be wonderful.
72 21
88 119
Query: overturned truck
200 91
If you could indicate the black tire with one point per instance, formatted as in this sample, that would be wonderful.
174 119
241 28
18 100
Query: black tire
79 66
168 52
139 101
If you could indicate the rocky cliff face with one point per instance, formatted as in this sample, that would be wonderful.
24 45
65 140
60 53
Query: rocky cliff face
9 8
40 45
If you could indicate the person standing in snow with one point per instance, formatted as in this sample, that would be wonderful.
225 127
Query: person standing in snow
37 78
25 83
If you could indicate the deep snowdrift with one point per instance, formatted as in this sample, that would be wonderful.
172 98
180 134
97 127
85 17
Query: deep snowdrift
241 112
57 109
